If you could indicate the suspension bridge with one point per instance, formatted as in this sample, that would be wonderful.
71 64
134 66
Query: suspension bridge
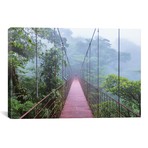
78 97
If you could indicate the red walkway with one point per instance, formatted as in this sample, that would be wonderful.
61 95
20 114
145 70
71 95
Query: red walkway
76 105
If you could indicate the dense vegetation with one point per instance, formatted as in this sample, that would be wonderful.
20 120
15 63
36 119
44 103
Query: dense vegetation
129 91
130 84
24 45
35 69
130 55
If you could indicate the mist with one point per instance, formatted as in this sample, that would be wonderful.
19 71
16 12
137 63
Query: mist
130 47
132 35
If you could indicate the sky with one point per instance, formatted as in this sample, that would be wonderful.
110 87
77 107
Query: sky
133 35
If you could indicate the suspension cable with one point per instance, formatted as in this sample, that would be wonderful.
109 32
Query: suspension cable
54 41
98 71
119 69
63 45
36 63
64 48
98 61
88 47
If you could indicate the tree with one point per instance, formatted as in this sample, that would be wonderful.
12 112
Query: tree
20 50
105 109
22 43
129 91
51 61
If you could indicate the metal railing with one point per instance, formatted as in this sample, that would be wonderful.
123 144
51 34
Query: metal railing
104 105
51 105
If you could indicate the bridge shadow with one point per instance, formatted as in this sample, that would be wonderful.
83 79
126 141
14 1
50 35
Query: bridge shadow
4 113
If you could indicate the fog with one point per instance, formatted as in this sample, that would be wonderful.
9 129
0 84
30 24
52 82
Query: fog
130 46
132 35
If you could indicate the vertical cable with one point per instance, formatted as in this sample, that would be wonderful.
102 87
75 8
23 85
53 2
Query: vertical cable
98 72
54 41
36 64
65 67
98 63
63 54
89 70
89 66
84 72
54 45
119 69
62 61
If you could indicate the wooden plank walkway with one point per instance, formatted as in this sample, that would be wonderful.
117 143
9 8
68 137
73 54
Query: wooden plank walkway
76 105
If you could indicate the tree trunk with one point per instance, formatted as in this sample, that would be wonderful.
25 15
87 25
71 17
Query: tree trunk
12 76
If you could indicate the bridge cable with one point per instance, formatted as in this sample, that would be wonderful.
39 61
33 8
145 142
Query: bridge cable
36 63
88 47
119 69
87 57
64 49
98 70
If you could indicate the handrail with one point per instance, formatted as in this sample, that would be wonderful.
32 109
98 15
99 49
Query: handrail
40 102
54 90
109 97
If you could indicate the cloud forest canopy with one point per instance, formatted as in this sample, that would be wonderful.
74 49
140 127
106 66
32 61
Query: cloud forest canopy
40 60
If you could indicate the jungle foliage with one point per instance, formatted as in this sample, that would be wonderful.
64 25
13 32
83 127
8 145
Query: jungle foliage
24 44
